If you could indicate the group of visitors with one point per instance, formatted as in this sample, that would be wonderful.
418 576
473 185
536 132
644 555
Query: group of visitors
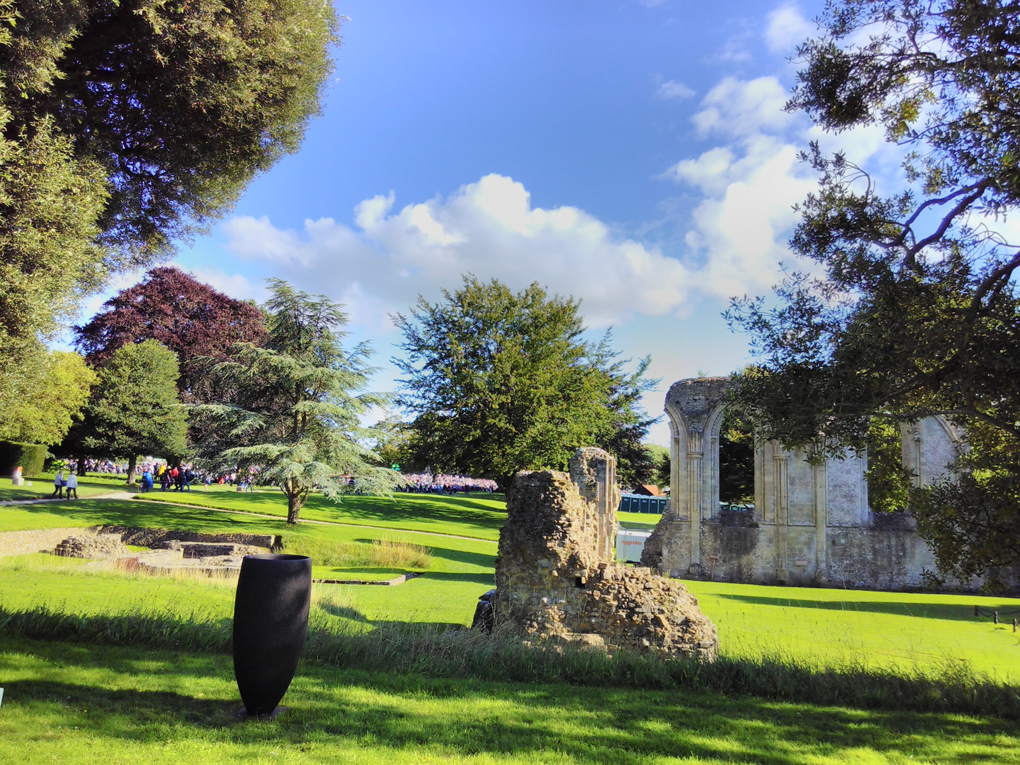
63 488
440 483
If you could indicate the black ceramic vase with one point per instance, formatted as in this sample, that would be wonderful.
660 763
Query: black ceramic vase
270 625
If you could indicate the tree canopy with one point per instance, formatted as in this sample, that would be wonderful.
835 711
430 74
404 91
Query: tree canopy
500 382
911 308
50 396
296 405
134 409
173 308
125 126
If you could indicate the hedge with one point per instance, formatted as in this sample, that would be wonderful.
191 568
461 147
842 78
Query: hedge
30 456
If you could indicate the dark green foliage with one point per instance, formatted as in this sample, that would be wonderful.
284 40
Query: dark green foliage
29 456
179 105
889 482
127 125
979 514
134 409
501 382
659 458
295 407
736 460
913 307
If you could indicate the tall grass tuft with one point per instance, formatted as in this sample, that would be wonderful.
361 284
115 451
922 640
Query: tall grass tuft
378 554
459 653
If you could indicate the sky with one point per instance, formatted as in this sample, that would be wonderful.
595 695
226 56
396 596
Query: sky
634 154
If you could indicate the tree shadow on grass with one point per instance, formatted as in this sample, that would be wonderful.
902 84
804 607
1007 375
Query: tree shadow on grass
481 560
97 512
951 612
331 708
442 576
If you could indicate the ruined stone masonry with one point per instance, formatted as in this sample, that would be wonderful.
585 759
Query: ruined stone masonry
556 579
811 524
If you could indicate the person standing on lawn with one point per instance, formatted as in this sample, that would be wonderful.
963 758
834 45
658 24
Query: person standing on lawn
72 485
58 484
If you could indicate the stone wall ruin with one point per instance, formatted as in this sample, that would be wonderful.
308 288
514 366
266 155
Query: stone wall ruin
810 525
556 578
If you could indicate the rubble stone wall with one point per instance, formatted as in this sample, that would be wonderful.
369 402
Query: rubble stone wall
556 578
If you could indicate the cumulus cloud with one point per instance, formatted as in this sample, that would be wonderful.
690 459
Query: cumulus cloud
786 28
738 108
671 90
488 228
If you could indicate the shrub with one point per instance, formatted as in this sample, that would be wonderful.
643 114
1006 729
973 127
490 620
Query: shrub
29 456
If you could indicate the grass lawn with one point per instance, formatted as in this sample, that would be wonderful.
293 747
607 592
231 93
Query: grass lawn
477 516
812 627
96 704
42 486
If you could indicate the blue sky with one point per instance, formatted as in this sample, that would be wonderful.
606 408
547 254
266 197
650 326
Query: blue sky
632 154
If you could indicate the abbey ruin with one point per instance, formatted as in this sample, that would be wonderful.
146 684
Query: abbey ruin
810 524
556 578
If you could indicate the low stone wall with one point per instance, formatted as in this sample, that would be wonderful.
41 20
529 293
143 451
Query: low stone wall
24 542
91 546
555 578
157 537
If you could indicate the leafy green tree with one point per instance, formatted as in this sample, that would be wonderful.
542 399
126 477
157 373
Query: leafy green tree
501 382
659 458
297 405
911 308
127 125
736 459
42 409
134 409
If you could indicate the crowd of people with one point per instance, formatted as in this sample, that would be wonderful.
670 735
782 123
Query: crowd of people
440 483
153 473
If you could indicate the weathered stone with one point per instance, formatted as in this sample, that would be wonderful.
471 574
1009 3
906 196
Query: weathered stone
810 524
569 522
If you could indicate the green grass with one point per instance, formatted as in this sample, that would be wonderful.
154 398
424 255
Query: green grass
42 487
477 516
810 627
642 521
891 630
460 569
112 705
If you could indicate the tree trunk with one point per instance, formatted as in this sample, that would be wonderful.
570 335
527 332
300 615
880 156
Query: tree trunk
294 503
81 466
132 464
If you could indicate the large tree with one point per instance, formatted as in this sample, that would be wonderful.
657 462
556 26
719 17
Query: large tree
134 409
190 318
911 307
125 126
49 396
499 381
297 403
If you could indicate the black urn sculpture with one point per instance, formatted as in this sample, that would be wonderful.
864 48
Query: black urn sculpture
270 624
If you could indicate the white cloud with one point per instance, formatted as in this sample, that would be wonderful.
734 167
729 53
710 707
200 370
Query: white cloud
488 228
787 28
671 90
742 107
236 286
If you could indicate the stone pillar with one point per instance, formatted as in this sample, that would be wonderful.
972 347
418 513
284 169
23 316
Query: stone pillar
593 471
821 521
694 484
781 464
